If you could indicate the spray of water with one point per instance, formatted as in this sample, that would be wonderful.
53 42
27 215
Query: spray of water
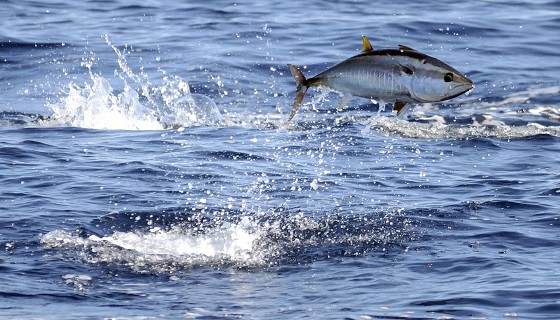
140 105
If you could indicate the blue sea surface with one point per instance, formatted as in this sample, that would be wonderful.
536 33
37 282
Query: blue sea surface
148 170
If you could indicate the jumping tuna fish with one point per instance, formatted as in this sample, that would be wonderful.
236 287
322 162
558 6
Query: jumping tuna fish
402 75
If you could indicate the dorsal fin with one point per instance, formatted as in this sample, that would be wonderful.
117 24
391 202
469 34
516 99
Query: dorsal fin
405 48
367 45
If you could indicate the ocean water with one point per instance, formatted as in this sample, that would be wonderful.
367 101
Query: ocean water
147 170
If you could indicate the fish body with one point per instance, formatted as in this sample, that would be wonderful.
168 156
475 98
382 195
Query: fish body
402 75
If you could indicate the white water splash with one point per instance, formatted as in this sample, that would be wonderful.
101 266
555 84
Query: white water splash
158 250
140 105
96 106
252 241
230 241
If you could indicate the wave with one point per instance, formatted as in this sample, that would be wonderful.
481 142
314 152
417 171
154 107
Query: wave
489 128
13 44
256 241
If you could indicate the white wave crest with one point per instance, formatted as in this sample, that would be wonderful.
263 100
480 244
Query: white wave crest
488 128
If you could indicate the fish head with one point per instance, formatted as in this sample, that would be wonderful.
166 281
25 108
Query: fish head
434 80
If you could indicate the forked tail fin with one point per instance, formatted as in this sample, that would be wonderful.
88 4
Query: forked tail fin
301 89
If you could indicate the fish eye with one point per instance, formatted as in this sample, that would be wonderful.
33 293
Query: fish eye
448 77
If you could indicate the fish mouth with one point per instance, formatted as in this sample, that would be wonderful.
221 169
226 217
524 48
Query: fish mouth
466 84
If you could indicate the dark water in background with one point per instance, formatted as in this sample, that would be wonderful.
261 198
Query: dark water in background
147 169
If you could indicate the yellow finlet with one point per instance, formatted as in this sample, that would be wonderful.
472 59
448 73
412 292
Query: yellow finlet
367 45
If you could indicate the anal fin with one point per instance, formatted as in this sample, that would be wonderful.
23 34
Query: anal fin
400 107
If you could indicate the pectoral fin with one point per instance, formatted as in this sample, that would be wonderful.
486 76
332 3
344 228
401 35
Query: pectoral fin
400 107
407 70
345 98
